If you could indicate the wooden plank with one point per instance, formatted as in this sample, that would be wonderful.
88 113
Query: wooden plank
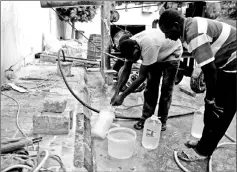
49 4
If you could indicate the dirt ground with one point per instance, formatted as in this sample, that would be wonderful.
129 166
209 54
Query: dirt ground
161 159
44 82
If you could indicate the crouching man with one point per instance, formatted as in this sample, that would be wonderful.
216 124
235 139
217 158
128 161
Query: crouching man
160 56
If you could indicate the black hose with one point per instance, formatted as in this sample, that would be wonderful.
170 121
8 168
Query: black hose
69 88
128 118
182 114
83 103
91 108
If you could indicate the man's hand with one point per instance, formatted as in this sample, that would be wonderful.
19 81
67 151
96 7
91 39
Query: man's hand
117 100
113 98
212 112
127 68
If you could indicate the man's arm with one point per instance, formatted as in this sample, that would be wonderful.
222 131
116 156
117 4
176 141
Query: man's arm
179 50
210 76
124 77
205 59
143 72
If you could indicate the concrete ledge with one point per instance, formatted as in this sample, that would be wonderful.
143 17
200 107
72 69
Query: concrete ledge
108 76
84 153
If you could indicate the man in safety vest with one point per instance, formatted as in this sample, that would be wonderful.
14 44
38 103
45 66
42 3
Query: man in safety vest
213 45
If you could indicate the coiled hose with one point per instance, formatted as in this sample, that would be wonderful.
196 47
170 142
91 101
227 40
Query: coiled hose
39 165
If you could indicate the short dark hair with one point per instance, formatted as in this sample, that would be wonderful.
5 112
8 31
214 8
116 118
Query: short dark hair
127 47
123 38
169 17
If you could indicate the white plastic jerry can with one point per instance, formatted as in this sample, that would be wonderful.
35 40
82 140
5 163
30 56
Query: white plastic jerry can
151 132
197 125
103 123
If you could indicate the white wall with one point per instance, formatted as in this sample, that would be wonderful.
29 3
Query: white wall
23 22
22 25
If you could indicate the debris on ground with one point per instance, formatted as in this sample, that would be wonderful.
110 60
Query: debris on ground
187 92
6 87
17 88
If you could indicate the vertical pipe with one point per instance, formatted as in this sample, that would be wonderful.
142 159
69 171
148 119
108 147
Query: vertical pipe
105 14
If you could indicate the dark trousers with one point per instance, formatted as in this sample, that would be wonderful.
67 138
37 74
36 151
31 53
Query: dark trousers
225 98
168 70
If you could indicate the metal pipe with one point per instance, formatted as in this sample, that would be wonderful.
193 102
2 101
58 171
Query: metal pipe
135 7
49 4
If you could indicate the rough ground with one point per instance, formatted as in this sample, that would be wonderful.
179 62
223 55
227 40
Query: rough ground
45 83
161 159
178 131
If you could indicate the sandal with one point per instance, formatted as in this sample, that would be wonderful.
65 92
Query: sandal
190 155
139 125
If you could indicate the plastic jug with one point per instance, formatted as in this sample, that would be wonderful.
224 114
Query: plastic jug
103 122
197 125
151 132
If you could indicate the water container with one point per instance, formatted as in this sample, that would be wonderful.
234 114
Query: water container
78 34
151 132
103 122
121 142
197 125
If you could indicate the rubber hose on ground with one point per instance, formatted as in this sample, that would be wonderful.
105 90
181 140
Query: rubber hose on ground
16 166
220 145
42 161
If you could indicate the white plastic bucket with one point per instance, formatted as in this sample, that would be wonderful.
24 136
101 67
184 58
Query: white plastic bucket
121 142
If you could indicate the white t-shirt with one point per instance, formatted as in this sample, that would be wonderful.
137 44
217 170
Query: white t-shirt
156 48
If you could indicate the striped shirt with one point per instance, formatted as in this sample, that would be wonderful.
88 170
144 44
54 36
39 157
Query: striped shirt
210 40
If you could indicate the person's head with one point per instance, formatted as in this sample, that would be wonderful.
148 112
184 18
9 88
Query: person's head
171 23
124 37
130 50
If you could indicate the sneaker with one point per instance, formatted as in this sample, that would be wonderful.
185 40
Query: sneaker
163 127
